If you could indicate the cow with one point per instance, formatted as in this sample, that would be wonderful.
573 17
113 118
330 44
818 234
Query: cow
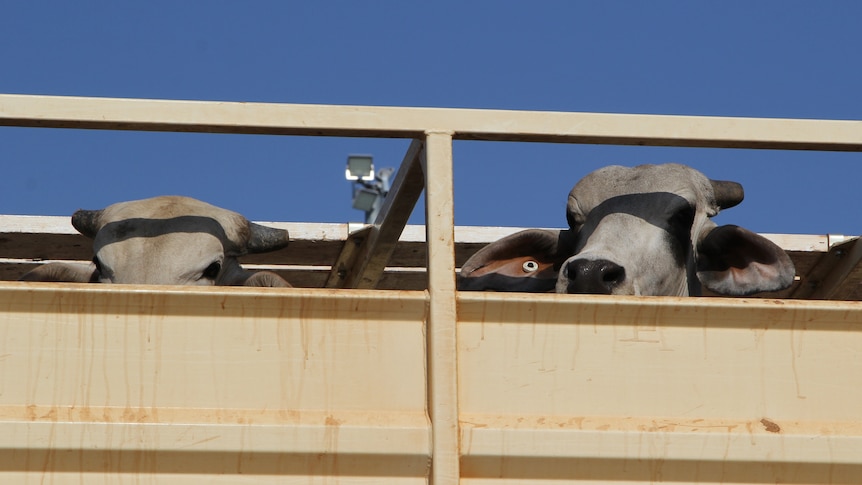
643 230
169 240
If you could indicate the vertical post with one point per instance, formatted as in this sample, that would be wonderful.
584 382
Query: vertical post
441 338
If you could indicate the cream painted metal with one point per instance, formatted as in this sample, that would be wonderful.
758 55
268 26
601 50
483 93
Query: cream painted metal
110 384
645 390
182 385
399 122
104 384
441 328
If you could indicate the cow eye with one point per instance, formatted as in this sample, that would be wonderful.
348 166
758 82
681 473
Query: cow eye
212 271
530 266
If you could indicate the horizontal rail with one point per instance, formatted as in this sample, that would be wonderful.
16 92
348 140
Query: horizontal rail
401 122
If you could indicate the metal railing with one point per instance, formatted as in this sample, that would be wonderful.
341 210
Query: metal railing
427 164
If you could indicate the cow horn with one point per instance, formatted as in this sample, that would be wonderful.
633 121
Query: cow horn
727 194
87 222
263 239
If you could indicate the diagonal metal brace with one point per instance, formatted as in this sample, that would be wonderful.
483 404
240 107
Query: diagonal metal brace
366 252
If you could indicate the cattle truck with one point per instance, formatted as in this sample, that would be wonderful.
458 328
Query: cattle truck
374 369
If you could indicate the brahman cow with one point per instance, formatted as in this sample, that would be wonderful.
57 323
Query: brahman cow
167 240
644 230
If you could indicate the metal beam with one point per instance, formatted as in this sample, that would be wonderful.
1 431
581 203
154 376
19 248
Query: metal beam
441 327
401 122
371 253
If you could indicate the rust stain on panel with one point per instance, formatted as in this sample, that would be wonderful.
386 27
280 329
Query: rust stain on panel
770 426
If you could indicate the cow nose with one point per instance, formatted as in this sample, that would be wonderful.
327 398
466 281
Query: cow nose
598 276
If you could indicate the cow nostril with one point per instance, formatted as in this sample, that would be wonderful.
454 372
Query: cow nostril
613 274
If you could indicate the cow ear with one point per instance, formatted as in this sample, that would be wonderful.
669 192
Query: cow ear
266 279
732 260
526 261
63 272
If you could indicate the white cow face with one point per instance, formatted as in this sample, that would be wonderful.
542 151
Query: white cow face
189 250
638 231
168 240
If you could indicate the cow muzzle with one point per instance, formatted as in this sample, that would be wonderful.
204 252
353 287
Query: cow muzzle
585 276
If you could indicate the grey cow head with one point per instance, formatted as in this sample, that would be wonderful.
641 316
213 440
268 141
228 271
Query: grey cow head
636 231
168 240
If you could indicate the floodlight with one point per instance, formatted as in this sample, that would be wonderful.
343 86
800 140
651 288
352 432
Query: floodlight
360 167
364 199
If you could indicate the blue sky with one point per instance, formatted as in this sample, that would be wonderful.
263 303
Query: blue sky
785 59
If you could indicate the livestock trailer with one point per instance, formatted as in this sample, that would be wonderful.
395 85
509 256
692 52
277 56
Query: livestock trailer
374 369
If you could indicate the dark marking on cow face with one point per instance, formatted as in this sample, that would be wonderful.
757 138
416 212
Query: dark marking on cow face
122 230
119 231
